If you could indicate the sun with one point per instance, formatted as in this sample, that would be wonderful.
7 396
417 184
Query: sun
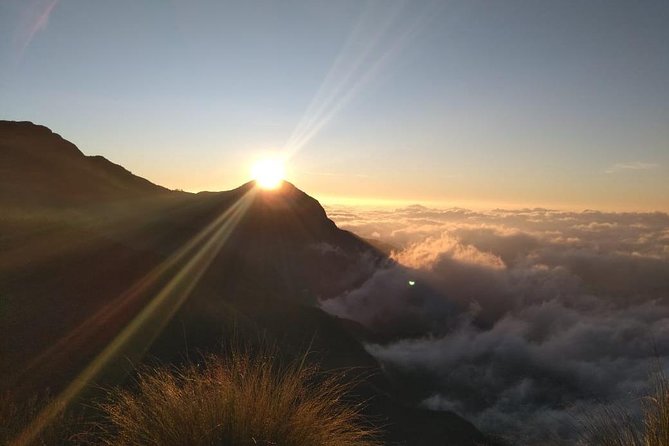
268 173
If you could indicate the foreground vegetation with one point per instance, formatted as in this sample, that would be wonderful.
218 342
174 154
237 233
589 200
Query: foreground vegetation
615 425
246 400
242 399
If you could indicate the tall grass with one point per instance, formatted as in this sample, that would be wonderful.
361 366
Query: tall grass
616 426
237 400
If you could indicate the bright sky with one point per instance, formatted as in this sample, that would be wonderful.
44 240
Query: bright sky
509 103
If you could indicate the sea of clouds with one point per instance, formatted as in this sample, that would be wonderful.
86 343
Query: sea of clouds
515 319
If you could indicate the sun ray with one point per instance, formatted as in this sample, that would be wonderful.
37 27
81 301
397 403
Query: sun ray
125 300
133 341
371 45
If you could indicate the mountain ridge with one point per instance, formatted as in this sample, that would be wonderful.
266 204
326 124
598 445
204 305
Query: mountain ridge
47 169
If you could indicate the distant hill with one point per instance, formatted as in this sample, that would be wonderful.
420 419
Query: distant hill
86 247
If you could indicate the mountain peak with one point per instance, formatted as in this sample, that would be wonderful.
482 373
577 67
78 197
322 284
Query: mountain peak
288 209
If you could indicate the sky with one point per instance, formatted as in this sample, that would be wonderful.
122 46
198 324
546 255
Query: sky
464 103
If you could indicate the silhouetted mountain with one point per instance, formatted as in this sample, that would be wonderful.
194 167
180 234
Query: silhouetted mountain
86 248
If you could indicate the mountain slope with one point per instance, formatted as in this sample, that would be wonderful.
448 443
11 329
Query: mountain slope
86 248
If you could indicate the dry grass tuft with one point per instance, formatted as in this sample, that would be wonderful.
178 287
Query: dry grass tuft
242 399
615 426
656 414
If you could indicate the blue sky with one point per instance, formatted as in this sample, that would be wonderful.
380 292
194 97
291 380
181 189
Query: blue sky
509 103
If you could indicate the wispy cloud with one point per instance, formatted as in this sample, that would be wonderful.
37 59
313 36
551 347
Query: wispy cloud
634 165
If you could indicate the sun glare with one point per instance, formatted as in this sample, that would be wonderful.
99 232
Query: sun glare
268 173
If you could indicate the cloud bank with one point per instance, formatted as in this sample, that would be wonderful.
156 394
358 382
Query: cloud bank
516 318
